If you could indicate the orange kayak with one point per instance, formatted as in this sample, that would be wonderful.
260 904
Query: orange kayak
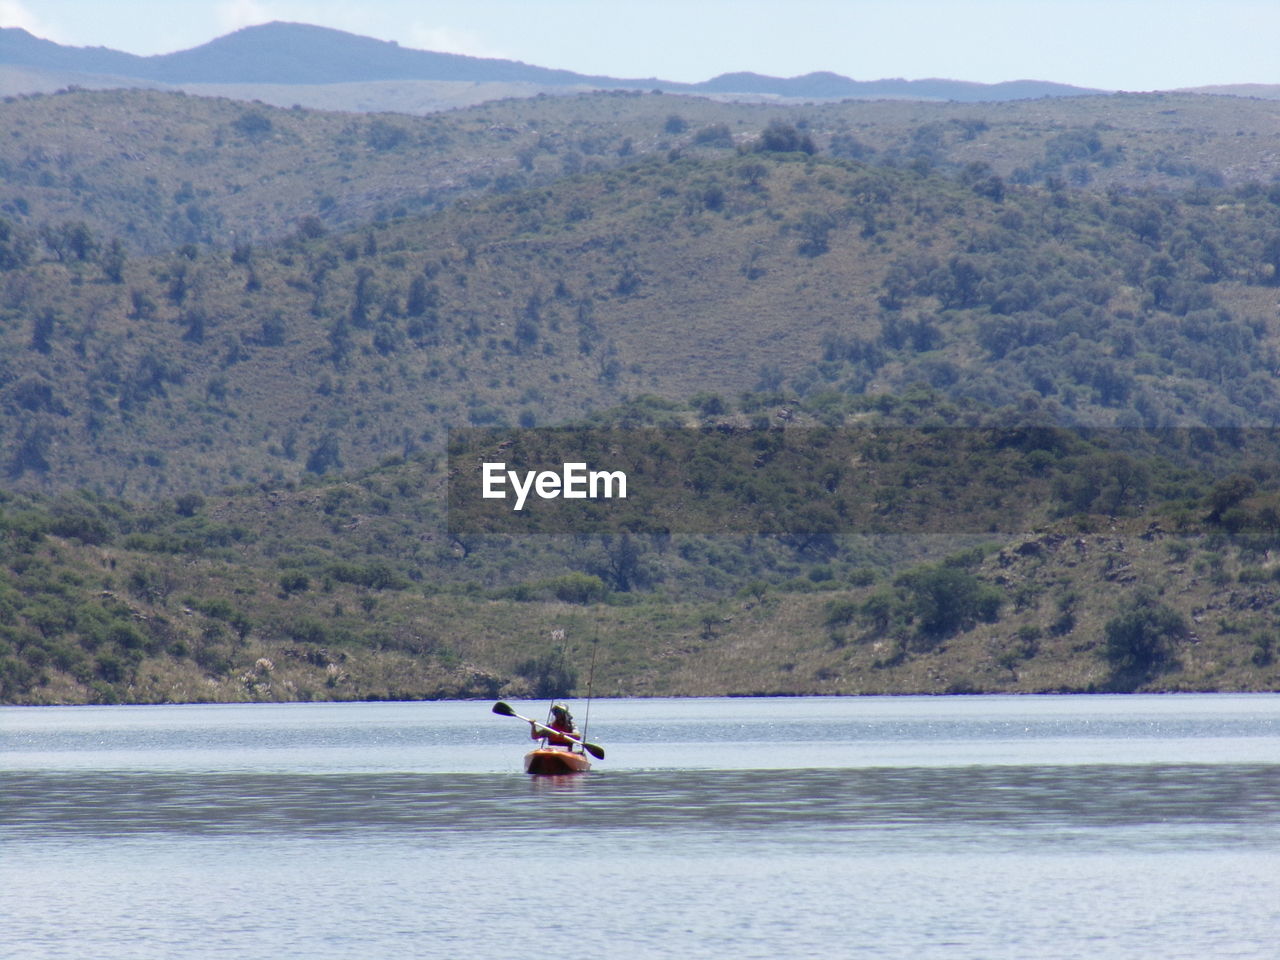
549 761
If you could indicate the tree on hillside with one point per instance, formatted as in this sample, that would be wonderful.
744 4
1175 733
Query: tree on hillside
326 456
422 297
15 246
384 135
946 599
551 675
69 241
814 229
1103 483
252 124
620 563
1271 256
42 330
714 135
782 137
31 451
1140 641
112 261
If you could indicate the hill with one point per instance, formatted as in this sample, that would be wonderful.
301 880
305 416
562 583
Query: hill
233 340
824 85
158 170
350 589
293 53
715 271
1263 91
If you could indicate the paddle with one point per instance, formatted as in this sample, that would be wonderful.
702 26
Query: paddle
504 710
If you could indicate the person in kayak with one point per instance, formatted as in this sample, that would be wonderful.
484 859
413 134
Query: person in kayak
561 723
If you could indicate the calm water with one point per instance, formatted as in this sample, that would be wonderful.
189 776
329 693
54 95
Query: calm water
914 827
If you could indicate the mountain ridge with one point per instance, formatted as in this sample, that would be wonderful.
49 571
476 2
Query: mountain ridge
303 54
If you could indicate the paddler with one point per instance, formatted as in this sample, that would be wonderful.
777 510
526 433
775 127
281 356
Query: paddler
561 723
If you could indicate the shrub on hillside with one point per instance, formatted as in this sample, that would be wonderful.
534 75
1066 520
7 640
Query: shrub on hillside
1140 641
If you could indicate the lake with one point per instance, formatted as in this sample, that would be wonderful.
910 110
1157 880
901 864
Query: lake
886 827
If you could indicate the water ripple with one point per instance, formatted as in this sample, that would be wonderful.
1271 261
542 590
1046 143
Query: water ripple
111 804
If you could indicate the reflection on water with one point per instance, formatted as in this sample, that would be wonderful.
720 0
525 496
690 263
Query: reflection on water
896 827
1029 798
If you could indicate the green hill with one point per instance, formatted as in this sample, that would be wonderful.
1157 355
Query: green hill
233 341
671 276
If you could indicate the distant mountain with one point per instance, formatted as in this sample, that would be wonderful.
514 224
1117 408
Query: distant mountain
832 86
21 49
293 53
301 54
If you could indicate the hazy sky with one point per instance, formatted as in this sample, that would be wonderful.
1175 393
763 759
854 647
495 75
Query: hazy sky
1111 44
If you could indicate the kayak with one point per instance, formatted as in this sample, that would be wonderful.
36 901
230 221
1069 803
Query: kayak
550 761
546 760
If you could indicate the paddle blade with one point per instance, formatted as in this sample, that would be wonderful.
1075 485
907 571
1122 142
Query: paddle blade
503 709
595 750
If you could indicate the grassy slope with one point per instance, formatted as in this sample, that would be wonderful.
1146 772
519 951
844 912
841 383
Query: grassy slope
351 589
455 645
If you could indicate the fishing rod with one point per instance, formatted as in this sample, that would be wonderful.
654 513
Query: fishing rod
591 679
